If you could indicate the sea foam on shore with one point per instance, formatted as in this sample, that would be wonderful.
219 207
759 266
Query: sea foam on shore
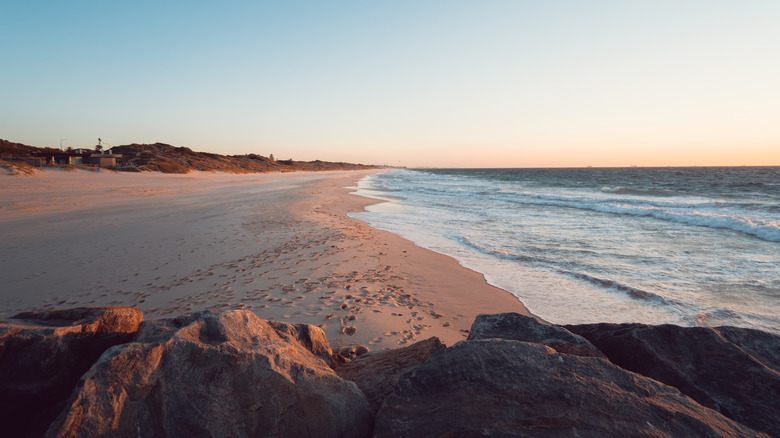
689 246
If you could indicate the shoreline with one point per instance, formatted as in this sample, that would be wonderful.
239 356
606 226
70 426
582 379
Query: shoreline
585 246
280 245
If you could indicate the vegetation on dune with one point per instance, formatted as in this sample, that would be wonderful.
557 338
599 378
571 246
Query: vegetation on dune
11 149
17 168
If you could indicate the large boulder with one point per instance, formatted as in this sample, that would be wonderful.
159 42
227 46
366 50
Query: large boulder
44 353
376 374
507 388
517 327
227 375
731 370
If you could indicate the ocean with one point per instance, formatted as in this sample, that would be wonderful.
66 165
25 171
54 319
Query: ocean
696 246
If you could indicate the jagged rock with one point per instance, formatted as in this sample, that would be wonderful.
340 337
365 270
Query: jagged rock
377 374
505 388
204 375
731 370
43 354
309 336
517 327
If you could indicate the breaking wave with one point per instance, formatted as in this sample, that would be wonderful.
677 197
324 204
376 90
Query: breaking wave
685 213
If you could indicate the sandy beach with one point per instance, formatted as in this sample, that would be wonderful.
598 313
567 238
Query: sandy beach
280 245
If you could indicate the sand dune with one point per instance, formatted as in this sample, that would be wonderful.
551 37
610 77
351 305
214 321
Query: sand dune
280 245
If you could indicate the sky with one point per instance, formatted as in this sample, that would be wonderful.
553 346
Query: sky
413 83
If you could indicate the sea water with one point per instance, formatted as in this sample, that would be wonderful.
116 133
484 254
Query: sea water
688 246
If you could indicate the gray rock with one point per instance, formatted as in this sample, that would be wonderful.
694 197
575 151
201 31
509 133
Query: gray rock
517 327
731 370
377 374
44 353
227 375
762 346
509 388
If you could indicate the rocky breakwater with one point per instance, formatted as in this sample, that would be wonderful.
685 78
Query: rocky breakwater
735 371
231 374
234 374
517 377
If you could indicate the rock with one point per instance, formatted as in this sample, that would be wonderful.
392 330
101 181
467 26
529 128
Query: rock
227 375
346 353
497 387
377 374
110 320
762 346
517 327
43 354
352 351
309 336
731 370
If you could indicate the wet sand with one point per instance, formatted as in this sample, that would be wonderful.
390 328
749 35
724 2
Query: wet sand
280 245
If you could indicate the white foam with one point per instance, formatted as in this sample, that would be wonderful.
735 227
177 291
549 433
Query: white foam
687 213
553 248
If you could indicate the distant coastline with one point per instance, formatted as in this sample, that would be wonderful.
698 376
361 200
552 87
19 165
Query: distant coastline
157 157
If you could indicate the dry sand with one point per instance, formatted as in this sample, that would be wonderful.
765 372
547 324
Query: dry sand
280 245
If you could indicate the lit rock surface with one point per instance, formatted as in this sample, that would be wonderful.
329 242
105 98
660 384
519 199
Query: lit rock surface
227 375
310 337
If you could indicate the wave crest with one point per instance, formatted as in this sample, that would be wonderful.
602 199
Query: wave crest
693 214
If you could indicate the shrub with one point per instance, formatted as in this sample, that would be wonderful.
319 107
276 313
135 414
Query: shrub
128 169
18 168
169 166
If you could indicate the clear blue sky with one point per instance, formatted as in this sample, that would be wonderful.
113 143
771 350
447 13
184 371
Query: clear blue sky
418 83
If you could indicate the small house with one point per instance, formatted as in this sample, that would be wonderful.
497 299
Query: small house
75 160
61 158
104 160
